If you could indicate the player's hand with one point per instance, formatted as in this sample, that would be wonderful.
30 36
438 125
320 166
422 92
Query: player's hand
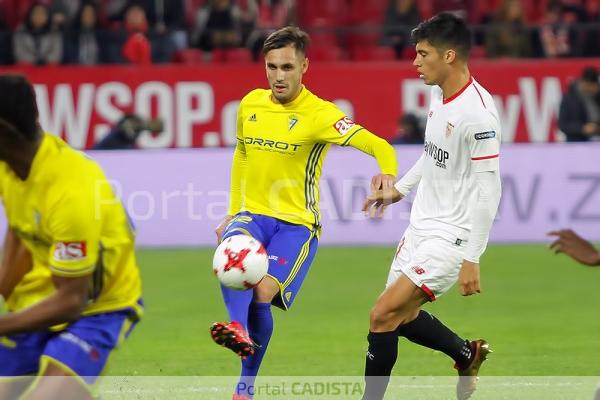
573 245
221 227
376 202
468 278
382 181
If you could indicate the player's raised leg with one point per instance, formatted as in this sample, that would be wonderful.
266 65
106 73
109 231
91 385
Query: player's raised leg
291 251
234 335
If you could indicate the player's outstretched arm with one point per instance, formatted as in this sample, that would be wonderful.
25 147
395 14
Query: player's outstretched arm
64 305
575 246
379 149
375 203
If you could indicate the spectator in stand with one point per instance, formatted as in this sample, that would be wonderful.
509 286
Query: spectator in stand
409 130
508 35
558 35
63 12
579 113
82 44
248 18
36 42
271 15
167 29
217 25
137 48
167 18
400 18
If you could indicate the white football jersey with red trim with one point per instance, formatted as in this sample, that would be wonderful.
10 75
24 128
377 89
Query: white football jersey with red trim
462 137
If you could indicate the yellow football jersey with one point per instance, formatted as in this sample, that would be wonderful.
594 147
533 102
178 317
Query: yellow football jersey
280 151
68 217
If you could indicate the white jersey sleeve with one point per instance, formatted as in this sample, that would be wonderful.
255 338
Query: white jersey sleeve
483 139
411 178
483 213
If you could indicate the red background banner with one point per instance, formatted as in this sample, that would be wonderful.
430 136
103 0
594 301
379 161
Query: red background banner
198 103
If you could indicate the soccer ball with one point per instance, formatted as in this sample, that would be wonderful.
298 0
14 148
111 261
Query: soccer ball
240 262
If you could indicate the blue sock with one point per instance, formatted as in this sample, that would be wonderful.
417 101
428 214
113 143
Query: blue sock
260 327
237 303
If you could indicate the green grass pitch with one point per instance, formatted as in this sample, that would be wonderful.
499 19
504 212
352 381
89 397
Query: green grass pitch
540 313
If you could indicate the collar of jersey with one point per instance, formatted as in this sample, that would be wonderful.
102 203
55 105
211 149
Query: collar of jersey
455 95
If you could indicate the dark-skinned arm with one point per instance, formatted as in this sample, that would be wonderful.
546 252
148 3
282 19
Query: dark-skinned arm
16 262
64 305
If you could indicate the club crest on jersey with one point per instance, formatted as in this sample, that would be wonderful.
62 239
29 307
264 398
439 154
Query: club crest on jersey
343 125
449 129
292 121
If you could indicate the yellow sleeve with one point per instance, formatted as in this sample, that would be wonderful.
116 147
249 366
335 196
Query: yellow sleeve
74 226
332 125
238 167
377 147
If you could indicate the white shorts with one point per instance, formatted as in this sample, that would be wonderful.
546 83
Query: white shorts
430 262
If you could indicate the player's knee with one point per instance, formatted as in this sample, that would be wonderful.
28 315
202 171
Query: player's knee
266 290
384 320
379 319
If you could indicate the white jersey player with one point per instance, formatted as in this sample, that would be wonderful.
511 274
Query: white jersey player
458 191
462 141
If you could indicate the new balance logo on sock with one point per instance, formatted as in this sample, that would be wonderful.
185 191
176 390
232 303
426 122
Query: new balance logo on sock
370 356
252 118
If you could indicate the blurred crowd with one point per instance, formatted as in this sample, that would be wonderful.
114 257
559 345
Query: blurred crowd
89 32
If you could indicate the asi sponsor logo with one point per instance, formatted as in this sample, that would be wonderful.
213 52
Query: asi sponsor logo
70 251
438 154
271 144
485 135
343 125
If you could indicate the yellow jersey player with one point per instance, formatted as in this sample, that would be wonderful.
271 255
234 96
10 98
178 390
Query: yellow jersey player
68 274
283 135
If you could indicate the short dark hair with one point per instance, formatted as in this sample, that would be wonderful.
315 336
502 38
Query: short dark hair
290 35
589 74
445 31
18 108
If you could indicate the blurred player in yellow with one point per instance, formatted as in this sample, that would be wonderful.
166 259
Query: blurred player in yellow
68 276
283 135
